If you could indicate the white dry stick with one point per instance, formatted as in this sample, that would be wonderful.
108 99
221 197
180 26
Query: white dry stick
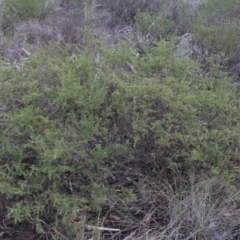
26 52
102 228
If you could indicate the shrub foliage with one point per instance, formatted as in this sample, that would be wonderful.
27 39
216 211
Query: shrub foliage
217 28
70 118
75 118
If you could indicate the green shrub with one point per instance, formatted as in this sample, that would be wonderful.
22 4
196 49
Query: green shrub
176 114
125 11
8 19
217 28
71 119
55 145
27 8
153 26
13 12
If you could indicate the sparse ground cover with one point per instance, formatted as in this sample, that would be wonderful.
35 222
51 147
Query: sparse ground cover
106 133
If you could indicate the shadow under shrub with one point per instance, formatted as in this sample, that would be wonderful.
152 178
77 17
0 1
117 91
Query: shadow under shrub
72 117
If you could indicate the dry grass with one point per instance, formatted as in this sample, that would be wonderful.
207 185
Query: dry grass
202 210
64 21
197 211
